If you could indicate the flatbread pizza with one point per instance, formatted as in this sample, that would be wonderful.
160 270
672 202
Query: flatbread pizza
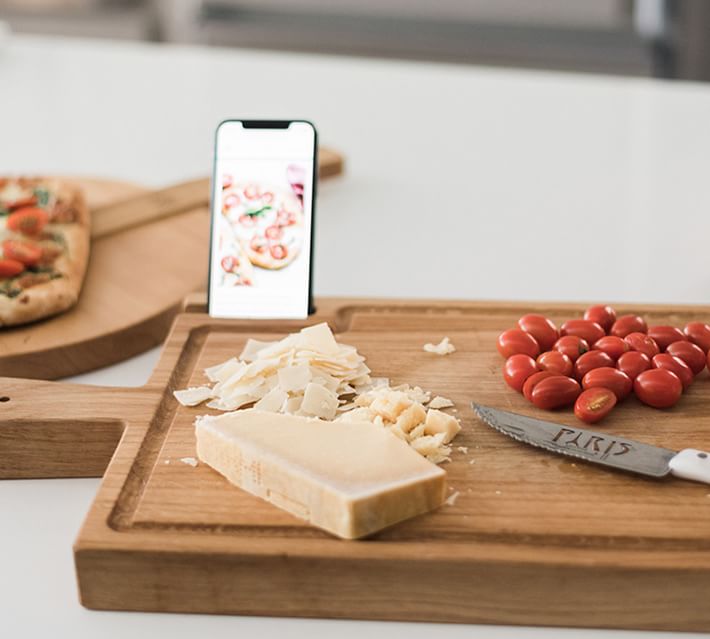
267 222
44 248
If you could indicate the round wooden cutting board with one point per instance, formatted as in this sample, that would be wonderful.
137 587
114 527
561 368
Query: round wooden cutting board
136 281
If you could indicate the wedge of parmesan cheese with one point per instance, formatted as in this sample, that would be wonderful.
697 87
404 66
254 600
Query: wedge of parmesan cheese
444 347
349 478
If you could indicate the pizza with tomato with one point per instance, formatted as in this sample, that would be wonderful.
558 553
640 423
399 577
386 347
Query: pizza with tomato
267 222
44 248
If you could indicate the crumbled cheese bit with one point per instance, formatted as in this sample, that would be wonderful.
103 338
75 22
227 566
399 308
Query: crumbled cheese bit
440 402
190 461
462 449
193 396
451 499
444 347
438 422
472 462
166 462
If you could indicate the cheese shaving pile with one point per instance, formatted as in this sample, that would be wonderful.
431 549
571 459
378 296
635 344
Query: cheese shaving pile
308 373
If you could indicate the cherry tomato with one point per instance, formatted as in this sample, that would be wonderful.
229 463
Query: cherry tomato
267 197
690 353
699 334
605 316
251 192
607 377
642 343
278 251
274 232
28 221
517 369
555 362
589 331
658 387
247 220
674 365
230 201
633 363
10 268
708 360
594 404
25 252
572 346
590 361
613 346
628 324
541 328
553 392
515 341
532 381
258 244
666 335
230 263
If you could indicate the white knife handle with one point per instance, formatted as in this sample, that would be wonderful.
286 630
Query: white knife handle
691 464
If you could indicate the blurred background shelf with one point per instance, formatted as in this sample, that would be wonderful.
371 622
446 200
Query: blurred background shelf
653 38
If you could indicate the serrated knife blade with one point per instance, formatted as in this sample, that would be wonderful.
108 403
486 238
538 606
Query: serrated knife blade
598 448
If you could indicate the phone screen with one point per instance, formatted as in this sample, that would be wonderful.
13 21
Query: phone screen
262 219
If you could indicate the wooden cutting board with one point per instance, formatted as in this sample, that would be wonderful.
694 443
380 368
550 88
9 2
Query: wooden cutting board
147 254
532 538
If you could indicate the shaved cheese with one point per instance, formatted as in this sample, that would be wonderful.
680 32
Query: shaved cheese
220 372
319 402
252 348
319 338
294 378
444 347
193 396
272 401
440 402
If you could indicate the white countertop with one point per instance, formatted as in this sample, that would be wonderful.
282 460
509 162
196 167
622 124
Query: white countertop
461 182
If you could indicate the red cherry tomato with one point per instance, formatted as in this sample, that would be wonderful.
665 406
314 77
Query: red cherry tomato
514 341
10 268
227 180
258 244
274 232
590 361
572 346
628 324
555 392
690 353
708 360
674 365
613 346
658 387
605 316
664 336
517 369
247 220
555 362
633 363
28 253
612 378
699 334
532 381
278 251
642 343
594 404
230 263
541 328
29 220
587 330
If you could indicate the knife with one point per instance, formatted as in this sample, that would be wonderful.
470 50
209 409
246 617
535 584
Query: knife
599 448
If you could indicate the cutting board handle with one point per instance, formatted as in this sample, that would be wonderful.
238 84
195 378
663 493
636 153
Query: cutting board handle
52 429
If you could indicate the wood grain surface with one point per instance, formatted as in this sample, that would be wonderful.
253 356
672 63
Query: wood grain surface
149 250
532 538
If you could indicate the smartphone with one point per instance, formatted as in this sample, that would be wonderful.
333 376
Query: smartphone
263 200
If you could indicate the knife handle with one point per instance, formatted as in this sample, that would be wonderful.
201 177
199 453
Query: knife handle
691 464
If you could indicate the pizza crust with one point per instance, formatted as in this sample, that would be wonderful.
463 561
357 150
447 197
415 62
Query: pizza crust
57 295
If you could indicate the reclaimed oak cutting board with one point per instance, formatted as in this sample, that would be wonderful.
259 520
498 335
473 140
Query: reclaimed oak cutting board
532 538
146 256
